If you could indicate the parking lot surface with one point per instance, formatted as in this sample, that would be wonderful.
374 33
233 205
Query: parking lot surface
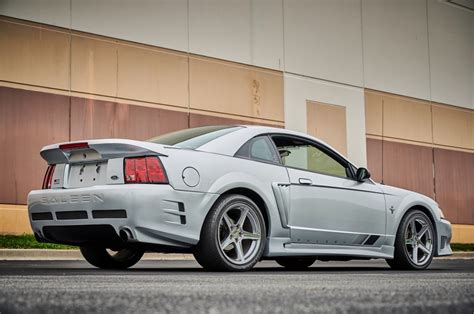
182 286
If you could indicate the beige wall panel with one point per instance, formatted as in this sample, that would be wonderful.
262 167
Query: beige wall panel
407 119
93 66
453 127
227 87
14 219
328 123
152 75
373 113
28 121
34 56
463 234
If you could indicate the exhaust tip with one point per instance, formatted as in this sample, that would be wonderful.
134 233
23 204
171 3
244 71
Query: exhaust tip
125 234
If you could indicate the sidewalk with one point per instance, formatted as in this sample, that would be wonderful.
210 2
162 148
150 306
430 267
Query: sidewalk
45 255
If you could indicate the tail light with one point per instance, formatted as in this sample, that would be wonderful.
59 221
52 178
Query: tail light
48 177
144 170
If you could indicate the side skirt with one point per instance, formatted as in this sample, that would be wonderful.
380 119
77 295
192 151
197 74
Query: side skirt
283 247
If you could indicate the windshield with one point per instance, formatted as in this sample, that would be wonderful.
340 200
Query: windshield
195 137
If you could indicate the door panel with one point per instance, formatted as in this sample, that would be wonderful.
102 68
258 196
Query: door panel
334 210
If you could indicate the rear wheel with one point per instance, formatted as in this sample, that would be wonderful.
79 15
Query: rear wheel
414 242
295 263
109 259
233 235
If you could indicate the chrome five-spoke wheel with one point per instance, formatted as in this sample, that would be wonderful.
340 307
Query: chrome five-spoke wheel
419 240
239 233
415 242
233 235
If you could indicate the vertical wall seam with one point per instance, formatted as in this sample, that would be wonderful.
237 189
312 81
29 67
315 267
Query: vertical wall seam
189 68
116 69
429 55
434 173
383 139
70 70
283 66
252 61
362 42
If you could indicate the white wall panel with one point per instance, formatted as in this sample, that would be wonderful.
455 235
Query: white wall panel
267 33
299 89
451 54
395 38
221 29
53 12
323 39
155 22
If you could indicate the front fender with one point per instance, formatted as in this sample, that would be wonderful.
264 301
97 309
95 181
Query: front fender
399 205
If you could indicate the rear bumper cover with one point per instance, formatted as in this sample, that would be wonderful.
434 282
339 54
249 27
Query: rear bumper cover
155 214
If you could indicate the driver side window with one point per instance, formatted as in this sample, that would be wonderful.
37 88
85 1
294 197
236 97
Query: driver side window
300 154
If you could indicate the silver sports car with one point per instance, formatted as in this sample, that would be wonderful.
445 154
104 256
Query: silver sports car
231 195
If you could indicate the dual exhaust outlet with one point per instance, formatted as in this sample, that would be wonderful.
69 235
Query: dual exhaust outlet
126 234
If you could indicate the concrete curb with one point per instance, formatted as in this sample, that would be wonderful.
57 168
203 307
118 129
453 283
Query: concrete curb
48 254
45 255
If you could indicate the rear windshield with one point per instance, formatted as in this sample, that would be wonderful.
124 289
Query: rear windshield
195 137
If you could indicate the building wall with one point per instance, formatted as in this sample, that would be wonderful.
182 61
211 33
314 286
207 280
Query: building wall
394 79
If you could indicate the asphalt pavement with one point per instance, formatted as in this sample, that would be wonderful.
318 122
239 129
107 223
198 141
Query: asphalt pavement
183 287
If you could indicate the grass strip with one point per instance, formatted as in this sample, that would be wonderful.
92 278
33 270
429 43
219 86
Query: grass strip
28 241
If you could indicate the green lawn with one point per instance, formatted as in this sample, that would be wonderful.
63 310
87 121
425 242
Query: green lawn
464 247
28 241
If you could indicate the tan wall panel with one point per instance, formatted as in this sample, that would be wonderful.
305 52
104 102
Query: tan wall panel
409 167
93 66
14 219
373 113
453 127
227 87
407 119
462 234
454 173
100 119
152 75
196 120
34 56
28 121
328 123
374 159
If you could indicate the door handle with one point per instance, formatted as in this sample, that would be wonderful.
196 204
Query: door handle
305 181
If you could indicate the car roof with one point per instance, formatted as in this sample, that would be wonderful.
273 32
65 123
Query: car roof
230 143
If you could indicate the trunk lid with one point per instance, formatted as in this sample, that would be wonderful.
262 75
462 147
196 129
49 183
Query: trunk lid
93 162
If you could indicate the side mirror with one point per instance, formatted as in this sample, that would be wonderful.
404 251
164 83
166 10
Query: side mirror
362 174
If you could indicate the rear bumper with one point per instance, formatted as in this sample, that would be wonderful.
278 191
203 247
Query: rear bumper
443 228
155 214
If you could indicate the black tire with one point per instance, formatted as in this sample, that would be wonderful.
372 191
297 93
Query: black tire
101 258
402 259
208 252
295 263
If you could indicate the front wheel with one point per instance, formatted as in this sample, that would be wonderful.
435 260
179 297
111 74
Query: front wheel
233 235
108 259
414 242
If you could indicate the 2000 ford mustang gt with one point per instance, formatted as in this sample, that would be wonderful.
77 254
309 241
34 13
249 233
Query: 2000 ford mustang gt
231 195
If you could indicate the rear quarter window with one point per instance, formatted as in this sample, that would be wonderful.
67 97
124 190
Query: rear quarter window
260 149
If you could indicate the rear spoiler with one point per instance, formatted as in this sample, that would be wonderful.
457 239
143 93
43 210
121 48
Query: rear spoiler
97 150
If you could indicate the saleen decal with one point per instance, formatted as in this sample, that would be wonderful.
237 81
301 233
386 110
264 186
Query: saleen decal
72 199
